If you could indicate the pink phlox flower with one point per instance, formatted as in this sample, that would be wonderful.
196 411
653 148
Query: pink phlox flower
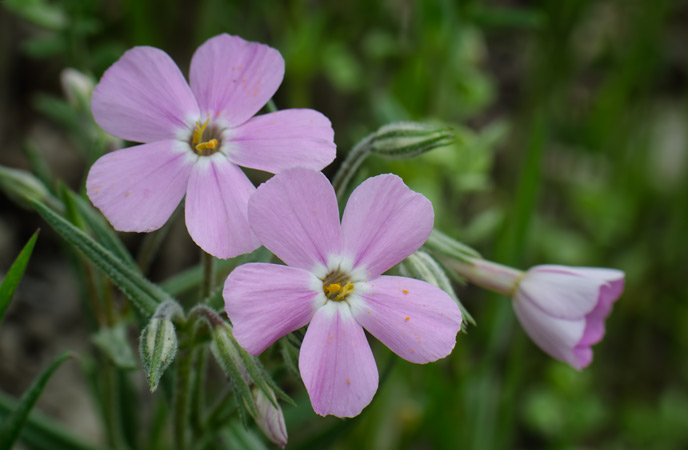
333 280
195 135
563 309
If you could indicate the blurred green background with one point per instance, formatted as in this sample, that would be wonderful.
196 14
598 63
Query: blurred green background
579 156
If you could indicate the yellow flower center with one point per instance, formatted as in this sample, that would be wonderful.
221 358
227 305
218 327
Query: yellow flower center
201 147
336 286
336 292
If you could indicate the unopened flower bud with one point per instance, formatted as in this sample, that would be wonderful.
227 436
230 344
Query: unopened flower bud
22 186
404 140
270 418
77 87
158 343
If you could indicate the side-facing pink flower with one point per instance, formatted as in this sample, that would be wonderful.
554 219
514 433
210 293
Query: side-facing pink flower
333 280
561 308
195 135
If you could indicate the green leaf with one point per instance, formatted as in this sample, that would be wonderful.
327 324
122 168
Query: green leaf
42 432
143 294
114 344
13 425
11 280
105 234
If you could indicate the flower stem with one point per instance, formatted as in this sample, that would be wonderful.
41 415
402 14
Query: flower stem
207 261
353 160
182 396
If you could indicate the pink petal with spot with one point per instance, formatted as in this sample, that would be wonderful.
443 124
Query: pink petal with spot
336 363
282 140
416 320
143 97
267 301
138 188
295 215
233 78
216 203
383 223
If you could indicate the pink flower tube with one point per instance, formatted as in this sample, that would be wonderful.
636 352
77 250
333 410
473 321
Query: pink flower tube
195 135
561 308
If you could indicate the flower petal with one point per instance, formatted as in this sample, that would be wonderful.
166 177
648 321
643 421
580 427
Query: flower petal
233 78
267 301
138 188
283 139
295 215
561 291
609 293
416 320
216 202
384 222
144 97
336 363
557 337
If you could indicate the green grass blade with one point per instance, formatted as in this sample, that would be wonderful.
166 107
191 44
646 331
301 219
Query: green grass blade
11 280
41 431
143 294
13 425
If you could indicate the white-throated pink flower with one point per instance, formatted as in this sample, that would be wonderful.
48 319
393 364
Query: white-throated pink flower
562 309
333 279
195 135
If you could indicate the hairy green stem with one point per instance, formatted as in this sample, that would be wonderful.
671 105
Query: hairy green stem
208 275
182 397
350 164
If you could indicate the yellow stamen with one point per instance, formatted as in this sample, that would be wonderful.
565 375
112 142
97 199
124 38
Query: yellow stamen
332 288
340 291
198 132
211 144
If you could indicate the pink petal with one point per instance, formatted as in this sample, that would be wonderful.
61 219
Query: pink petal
383 223
594 329
267 301
233 78
415 319
144 97
295 216
336 363
557 337
138 188
561 291
284 139
216 202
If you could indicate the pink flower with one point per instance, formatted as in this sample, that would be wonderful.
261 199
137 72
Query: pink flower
333 280
563 309
194 138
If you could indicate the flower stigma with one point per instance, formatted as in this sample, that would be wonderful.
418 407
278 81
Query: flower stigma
201 147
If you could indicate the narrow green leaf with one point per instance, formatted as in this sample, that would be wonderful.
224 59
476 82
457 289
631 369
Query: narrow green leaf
104 232
41 431
13 425
11 280
143 294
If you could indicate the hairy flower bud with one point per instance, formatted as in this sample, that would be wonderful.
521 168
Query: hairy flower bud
158 343
22 186
270 418
77 87
402 140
